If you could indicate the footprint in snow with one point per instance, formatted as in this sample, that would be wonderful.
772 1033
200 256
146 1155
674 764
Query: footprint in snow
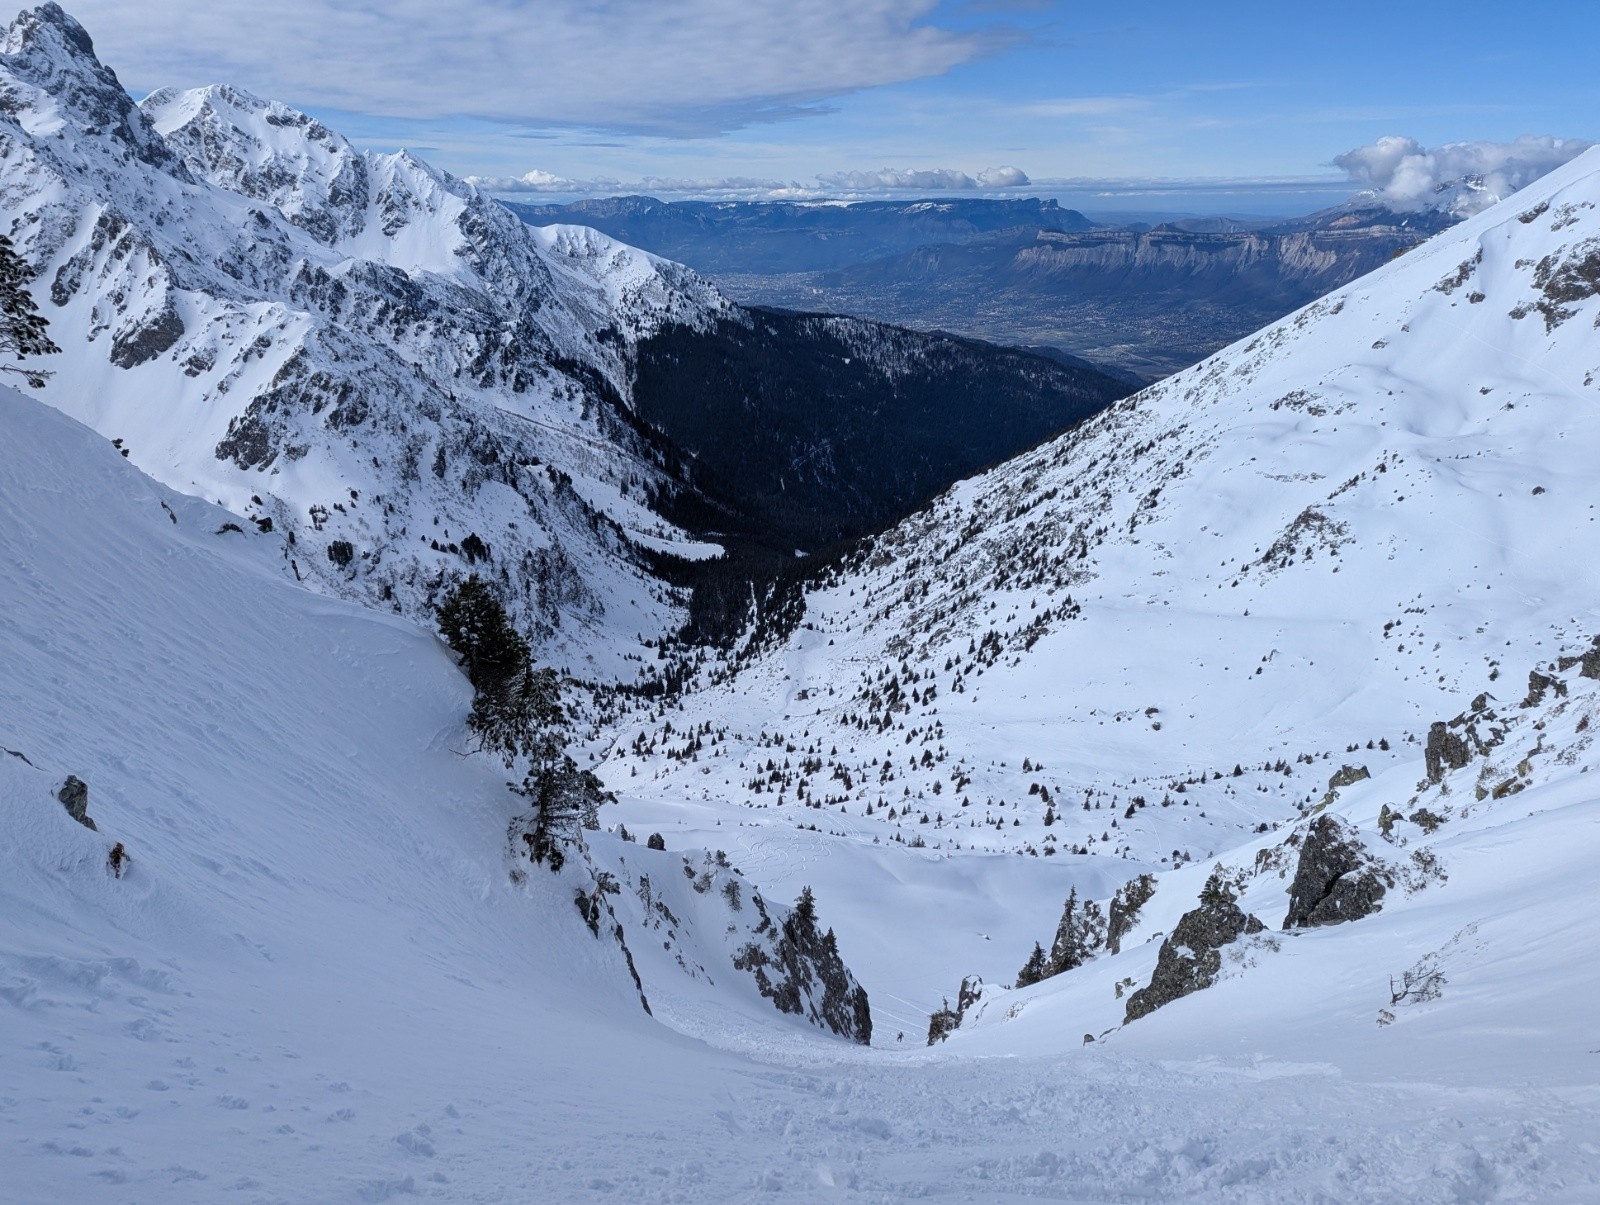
417 1140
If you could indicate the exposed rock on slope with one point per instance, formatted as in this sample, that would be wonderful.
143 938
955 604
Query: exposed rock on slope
704 921
798 968
1336 880
1190 957
74 796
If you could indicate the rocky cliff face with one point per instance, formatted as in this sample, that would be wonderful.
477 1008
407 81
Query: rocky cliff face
355 350
694 921
1335 880
1191 957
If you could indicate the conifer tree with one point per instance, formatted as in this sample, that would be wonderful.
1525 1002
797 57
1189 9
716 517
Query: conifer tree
476 626
22 327
1064 951
1080 933
1034 969
805 910
1217 892
517 713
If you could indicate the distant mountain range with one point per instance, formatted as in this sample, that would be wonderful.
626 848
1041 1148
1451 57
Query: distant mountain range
1137 299
776 237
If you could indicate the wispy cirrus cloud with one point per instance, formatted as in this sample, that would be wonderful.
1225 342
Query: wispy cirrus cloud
686 68
1084 106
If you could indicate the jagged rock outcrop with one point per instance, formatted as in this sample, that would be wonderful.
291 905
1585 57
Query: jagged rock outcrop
799 969
1588 662
1444 751
1190 957
1126 904
1336 879
1454 743
1540 684
74 796
947 1020
698 914
1344 776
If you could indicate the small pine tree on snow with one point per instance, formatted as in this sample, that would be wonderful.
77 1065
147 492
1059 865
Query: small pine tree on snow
805 909
1063 952
566 800
22 327
1034 969
1217 893
1080 934
474 624
513 703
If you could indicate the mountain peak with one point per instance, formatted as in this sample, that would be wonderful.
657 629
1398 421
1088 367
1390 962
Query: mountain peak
32 24
45 50
268 152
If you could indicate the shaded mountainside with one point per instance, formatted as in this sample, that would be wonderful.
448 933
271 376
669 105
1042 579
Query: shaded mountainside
787 236
398 382
825 428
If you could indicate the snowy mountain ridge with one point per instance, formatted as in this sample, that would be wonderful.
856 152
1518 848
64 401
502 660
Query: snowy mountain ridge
401 378
407 384
1171 627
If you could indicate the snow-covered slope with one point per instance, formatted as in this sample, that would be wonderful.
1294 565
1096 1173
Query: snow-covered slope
318 946
1252 605
316 978
1171 626
407 381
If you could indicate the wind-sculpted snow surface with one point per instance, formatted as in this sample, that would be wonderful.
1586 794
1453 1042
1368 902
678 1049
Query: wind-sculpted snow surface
403 380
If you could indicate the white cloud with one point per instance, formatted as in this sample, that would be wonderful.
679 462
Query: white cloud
1084 106
1460 177
546 183
681 68
932 179
534 181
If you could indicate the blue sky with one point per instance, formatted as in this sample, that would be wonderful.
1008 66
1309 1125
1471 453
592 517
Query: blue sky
741 95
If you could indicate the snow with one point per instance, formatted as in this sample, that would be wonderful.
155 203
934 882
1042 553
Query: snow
324 975
316 979
358 347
